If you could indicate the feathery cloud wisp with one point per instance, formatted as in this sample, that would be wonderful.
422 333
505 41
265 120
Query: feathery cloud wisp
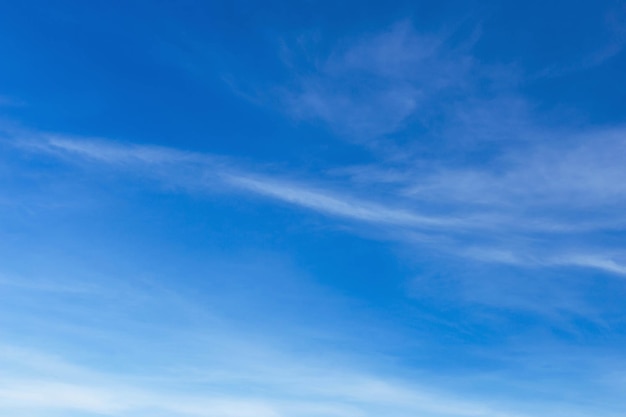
559 196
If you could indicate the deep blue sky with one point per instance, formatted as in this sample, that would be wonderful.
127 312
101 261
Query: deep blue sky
312 209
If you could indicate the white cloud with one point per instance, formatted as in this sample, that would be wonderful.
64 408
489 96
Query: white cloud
372 85
287 391
112 153
600 262
330 204
560 195
208 370
536 258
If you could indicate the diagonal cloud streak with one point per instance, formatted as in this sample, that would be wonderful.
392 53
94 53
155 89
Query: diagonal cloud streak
469 232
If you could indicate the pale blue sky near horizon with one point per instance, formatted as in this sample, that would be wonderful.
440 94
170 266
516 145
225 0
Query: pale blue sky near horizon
312 209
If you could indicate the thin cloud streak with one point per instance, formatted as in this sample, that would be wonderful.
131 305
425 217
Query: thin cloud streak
317 391
227 372
333 205
132 156
484 272
458 195
599 262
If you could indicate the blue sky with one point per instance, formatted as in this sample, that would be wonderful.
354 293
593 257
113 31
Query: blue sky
312 209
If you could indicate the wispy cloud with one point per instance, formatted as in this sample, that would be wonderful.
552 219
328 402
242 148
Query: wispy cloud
38 382
327 203
559 195
371 86
214 371
575 171
107 151
329 395
512 225
226 371
135 157
197 368
489 184
534 258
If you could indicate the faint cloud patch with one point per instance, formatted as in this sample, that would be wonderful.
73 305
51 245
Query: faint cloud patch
372 85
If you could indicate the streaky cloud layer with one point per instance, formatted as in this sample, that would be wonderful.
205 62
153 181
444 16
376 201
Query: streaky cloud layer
312 210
